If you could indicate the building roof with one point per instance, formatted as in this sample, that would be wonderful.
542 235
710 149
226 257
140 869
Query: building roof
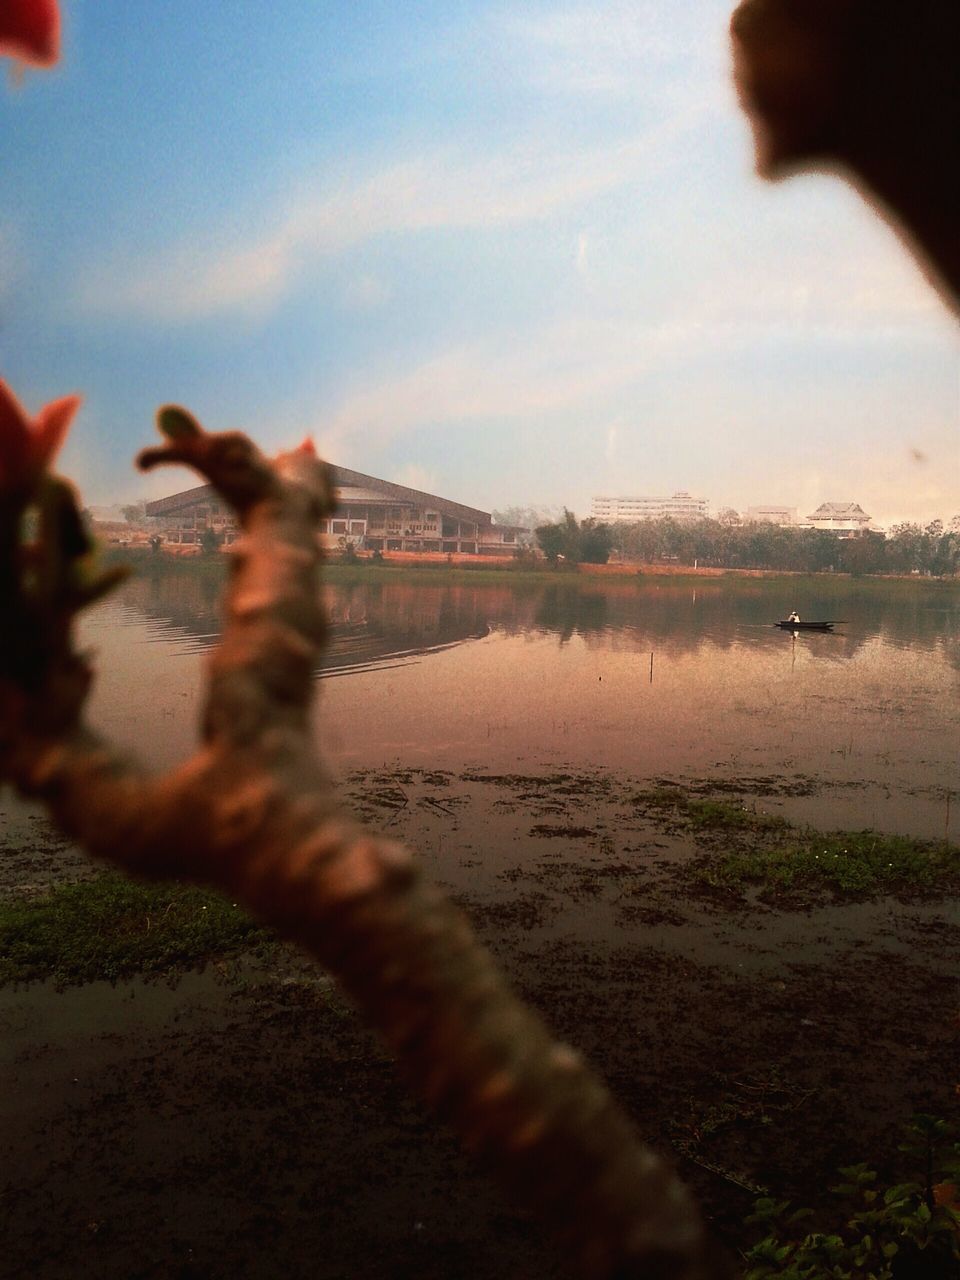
840 511
349 486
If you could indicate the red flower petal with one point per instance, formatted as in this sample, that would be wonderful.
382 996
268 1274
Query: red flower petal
50 428
30 30
28 445
14 435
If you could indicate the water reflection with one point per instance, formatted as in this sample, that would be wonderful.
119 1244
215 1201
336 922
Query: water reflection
523 675
385 622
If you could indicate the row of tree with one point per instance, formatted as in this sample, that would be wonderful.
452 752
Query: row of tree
908 548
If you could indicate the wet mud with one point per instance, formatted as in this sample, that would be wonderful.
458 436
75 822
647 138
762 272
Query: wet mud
241 1123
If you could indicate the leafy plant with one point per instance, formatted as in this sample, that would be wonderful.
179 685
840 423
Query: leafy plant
906 1230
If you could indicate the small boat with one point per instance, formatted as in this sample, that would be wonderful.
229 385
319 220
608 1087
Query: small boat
804 626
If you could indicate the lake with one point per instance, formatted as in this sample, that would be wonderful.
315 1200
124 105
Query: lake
679 678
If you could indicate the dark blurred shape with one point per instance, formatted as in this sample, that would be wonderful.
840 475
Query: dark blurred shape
30 31
870 87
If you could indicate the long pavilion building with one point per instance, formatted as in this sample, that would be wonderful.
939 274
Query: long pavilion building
371 515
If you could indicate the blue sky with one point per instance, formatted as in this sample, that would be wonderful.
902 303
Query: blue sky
508 252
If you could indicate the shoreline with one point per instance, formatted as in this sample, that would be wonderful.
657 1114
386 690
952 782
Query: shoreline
738 1026
408 566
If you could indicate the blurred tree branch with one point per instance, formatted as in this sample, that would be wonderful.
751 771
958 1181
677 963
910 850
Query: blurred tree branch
254 813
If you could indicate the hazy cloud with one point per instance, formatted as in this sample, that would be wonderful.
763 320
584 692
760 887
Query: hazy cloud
366 293
512 377
443 190
614 48
415 476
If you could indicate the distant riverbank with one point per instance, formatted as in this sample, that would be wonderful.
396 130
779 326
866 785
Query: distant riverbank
473 569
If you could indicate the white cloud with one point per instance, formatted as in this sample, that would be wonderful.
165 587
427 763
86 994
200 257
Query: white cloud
613 436
366 292
566 366
415 476
583 250
445 189
782 288
617 48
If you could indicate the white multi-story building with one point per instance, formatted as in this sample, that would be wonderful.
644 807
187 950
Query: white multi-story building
628 510
772 514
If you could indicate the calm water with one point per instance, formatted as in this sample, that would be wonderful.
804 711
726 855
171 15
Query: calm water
523 677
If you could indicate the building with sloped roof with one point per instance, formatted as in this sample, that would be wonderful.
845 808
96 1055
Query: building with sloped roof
772 513
840 517
371 514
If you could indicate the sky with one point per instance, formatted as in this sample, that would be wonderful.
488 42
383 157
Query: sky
509 253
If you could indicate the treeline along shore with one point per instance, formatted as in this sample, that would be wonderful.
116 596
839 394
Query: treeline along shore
908 549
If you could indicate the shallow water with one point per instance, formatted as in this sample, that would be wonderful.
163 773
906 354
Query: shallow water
679 679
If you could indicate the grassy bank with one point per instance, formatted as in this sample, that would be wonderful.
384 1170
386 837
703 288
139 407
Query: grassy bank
844 863
111 927
823 586
765 852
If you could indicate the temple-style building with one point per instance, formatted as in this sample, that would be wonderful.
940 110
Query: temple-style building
371 515
843 518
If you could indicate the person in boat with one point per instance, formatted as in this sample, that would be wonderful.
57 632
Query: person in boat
794 617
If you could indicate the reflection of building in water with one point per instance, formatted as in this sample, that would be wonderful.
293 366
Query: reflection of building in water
368 625
378 622
842 518
627 510
373 514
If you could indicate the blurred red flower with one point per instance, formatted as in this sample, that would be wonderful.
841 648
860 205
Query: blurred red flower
30 31
28 445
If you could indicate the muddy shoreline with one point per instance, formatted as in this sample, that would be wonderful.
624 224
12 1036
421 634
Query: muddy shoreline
239 1122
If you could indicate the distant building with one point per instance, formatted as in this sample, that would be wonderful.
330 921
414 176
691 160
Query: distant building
842 518
371 514
629 510
772 515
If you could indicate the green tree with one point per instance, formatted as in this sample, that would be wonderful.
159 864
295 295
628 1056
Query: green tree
587 541
209 542
134 512
596 541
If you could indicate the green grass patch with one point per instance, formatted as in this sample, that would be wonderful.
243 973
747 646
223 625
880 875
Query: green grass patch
111 927
721 815
851 863
707 815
